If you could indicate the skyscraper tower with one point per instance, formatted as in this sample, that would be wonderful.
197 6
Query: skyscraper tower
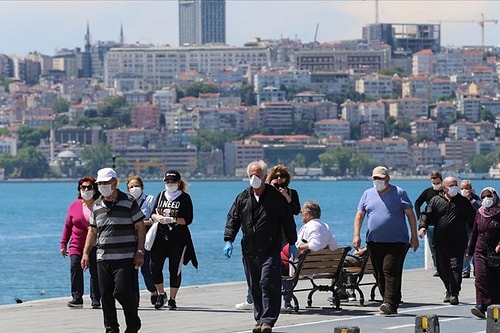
202 22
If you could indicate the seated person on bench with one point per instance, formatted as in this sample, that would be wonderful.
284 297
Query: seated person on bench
314 235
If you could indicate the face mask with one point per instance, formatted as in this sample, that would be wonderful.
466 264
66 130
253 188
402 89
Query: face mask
487 202
379 184
136 192
255 182
87 195
453 191
464 192
105 190
437 187
171 187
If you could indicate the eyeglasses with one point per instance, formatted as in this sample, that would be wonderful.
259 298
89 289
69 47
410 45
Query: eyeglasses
487 196
276 176
86 187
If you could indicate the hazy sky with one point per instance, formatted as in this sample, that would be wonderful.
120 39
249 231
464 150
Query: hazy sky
46 26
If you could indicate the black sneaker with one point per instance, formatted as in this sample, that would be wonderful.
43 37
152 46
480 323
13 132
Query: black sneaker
478 312
171 304
447 297
160 301
153 299
388 309
75 303
454 300
95 304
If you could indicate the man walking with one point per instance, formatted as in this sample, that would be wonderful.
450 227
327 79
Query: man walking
117 227
451 214
263 215
387 240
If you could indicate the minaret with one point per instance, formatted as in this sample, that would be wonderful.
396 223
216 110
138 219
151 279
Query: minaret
87 39
122 38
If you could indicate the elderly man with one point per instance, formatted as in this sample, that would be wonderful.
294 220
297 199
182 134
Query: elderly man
117 227
263 215
451 214
387 236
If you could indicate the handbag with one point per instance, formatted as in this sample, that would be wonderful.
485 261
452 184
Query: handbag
150 237
493 259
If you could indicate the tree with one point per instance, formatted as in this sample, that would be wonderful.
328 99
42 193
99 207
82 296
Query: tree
346 161
31 163
481 163
208 141
198 87
60 105
94 158
30 137
393 70
247 94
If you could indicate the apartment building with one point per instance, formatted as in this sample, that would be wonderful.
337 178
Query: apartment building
164 98
314 111
374 85
371 130
457 152
277 117
396 153
485 130
444 112
373 147
160 66
424 129
8 145
332 127
350 111
202 22
238 154
425 157
423 63
408 109
372 112
462 130
145 116
417 86
441 88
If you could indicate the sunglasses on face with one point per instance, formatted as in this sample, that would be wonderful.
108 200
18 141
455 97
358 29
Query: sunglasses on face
86 187
276 176
487 196
378 178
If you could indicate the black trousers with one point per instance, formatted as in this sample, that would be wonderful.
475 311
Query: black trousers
76 273
264 282
449 260
118 280
388 260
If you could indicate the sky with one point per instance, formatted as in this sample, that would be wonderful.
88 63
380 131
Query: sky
47 26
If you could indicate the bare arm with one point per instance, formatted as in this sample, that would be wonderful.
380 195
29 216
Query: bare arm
90 242
358 222
413 228
140 228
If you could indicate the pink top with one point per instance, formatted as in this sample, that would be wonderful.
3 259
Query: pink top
75 228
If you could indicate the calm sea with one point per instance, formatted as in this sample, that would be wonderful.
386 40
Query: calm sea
32 217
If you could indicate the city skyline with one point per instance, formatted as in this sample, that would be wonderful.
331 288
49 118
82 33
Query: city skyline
48 26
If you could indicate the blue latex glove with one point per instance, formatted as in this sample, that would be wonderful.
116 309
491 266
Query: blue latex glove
228 249
293 251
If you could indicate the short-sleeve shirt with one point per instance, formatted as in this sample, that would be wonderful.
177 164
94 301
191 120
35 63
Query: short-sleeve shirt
385 215
115 223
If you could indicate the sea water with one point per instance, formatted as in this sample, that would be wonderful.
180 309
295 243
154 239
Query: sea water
32 216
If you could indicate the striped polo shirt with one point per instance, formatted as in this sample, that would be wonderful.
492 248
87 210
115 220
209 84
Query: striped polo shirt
115 223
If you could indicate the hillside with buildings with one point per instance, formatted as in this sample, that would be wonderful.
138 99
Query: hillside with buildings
394 96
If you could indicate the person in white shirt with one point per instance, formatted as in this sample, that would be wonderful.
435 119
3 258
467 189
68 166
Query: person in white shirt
314 235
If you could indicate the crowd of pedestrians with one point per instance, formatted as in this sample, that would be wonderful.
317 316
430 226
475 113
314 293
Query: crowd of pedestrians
115 234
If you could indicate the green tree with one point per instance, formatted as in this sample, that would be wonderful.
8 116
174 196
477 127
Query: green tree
480 163
31 163
247 94
345 161
60 105
198 87
208 141
393 70
30 137
94 158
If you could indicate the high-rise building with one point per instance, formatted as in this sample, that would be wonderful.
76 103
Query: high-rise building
202 22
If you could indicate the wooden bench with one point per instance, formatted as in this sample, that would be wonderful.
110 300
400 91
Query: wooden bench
352 276
315 266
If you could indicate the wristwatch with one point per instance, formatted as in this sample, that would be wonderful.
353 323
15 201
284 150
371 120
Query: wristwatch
141 251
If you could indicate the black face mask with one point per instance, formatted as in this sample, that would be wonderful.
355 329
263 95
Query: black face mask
278 185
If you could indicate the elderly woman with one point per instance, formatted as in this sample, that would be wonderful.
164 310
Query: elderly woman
485 240
280 177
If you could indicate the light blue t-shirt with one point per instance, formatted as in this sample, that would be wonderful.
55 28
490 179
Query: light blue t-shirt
385 215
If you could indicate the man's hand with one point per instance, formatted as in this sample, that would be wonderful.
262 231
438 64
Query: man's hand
422 232
85 261
138 260
293 251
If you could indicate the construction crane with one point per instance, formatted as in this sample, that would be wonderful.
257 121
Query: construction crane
481 23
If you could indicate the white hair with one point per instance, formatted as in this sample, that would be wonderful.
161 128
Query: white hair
262 165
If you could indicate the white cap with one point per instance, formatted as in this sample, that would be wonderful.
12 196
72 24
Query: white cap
105 174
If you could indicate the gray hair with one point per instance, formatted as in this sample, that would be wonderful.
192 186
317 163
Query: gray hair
313 208
262 165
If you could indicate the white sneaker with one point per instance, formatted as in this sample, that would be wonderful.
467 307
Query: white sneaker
244 306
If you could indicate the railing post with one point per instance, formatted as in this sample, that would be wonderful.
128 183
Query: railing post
428 263
492 322
344 329
427 324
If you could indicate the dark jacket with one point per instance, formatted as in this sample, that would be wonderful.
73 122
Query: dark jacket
425 197
450 219
485 234
262 223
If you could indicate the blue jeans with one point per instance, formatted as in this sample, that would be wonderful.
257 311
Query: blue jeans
467 262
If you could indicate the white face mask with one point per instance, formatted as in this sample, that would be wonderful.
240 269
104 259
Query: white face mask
105 190
487 202
437 187
464 192
255 182
136 192
87 195
171 187
379 184
453 191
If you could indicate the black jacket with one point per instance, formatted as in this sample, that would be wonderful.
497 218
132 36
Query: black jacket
262 223
425 197
450 219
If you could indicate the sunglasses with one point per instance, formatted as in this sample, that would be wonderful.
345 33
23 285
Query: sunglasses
378 178
276 176
86 187
487 196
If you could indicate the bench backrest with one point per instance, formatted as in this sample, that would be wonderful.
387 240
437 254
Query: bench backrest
324 261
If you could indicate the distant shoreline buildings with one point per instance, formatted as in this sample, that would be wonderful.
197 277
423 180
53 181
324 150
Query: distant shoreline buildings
306 98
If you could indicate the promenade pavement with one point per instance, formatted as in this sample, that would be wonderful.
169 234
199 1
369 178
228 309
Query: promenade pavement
210 308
